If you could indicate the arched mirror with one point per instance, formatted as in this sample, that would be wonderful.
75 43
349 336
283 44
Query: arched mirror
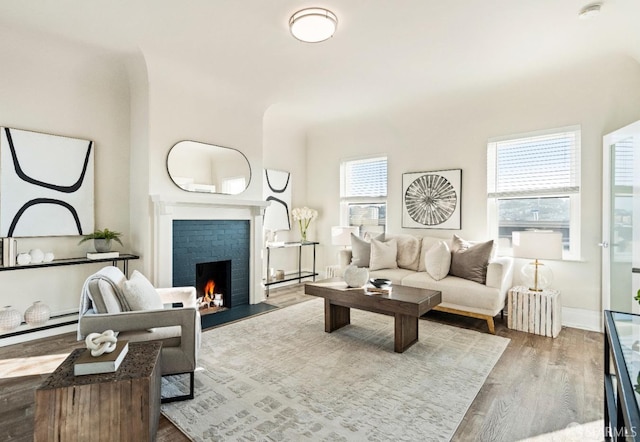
206 168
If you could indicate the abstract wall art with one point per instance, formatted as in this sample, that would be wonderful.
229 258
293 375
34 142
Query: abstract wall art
431 200
277 189
46 184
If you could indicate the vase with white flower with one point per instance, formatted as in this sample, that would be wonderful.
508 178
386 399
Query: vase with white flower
304 216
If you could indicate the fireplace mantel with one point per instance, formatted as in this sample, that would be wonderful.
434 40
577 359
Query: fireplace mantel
204 207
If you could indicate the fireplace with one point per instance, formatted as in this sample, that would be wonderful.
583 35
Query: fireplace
213 256
213 286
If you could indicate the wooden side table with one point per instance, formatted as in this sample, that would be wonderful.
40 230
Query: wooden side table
534 312
119 406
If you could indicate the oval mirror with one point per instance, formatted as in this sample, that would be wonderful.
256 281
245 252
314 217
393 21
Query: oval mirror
207 168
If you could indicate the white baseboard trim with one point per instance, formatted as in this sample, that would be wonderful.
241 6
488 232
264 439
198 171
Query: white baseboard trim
583 319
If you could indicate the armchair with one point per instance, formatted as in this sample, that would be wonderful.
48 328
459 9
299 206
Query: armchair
104 305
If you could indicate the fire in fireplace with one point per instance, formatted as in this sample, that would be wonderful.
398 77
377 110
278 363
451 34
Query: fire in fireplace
213 286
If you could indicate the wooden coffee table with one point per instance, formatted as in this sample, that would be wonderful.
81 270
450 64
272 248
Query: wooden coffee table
405 304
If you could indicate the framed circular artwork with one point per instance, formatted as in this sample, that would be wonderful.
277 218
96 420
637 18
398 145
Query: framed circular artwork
431 200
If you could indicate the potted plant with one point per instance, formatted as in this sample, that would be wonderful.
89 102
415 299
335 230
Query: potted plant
102 239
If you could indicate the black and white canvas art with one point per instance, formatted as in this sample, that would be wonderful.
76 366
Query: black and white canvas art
431 200
276 187
46 184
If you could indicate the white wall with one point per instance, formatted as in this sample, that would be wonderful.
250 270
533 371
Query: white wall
452 132
66 89
284 148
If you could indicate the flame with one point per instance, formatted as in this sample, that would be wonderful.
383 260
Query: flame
208 288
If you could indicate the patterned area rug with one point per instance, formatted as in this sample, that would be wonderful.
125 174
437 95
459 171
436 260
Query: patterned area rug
279 376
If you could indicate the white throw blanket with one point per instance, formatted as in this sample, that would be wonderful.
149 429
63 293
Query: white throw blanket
111 275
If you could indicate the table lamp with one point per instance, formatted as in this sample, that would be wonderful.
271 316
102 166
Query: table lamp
536 245
341 235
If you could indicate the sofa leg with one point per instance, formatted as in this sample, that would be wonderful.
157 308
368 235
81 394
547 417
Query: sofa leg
184 397
492 328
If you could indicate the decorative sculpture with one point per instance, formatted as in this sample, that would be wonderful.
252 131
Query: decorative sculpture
100 343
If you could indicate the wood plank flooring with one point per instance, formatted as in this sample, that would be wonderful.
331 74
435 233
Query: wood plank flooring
538 387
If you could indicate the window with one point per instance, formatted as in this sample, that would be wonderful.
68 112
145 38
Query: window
363 194
233 186
533 182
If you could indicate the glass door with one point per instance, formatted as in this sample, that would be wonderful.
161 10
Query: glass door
620 254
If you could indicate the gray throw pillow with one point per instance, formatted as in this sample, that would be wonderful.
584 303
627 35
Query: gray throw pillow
471 263
361 250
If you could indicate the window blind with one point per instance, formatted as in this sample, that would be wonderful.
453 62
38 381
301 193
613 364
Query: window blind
623 157
534 166
366 178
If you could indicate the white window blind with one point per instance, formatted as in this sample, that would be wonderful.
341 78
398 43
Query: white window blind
365 178
534 166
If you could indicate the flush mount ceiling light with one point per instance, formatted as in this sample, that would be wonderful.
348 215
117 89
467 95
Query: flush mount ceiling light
590 11
313 25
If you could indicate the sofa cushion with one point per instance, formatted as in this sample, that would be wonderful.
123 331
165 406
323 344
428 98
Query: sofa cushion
409 247
103 297
458 243
471 262
437 260
461 293
394 275
383 254
140 293
361 250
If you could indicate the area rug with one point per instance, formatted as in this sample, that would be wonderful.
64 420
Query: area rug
279 377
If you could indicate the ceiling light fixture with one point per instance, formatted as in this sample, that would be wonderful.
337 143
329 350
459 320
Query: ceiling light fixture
590 11
313 25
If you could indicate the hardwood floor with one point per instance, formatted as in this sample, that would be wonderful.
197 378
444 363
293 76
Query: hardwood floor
538 387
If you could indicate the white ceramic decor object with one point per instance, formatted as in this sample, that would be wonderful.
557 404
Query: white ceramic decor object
37 256
10 318
356 276
38 314
48 257
23 258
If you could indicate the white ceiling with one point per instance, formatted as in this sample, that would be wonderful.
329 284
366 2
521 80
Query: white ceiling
384 51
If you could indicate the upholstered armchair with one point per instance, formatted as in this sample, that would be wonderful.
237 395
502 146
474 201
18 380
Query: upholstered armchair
139 312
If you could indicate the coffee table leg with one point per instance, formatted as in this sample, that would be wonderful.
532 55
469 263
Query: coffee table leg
406 332
335 316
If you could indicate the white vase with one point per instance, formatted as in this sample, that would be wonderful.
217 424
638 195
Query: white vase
356 276
37 256
10 318
23 259
48 257
38 314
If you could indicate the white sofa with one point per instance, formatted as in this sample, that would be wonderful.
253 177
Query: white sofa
459 295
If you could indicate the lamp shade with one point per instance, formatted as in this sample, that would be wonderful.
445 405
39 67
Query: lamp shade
341 235
537 244
313 25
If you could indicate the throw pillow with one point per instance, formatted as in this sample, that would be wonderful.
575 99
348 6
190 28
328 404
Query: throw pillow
437 260
383 254
409 247
472 262
140 293
361 250
462 244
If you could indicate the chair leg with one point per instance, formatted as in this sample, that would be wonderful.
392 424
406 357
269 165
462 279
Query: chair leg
183 397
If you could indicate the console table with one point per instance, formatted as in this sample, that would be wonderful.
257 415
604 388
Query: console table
299 275
124 258
621 371
119 406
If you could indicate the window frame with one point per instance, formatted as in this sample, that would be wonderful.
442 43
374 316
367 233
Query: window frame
574 195
345 201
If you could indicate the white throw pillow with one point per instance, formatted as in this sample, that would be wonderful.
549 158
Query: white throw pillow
437 260
140 293
383 254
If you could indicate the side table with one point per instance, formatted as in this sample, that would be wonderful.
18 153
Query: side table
534 312
119 406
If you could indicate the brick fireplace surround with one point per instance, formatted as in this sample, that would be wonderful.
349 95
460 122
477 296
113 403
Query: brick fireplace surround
205 207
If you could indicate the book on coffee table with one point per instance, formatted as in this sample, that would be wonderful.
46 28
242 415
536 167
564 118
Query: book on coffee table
105 363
